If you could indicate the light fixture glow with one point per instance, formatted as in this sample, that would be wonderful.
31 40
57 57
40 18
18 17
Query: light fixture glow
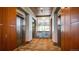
41 8
62 7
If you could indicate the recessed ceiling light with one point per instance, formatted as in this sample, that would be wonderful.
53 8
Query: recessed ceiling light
41 8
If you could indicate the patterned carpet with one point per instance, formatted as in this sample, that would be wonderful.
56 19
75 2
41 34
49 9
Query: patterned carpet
38 45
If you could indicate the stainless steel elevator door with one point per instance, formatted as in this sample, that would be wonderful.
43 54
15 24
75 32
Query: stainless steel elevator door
20 30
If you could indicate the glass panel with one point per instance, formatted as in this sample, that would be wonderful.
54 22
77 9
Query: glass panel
47 28
43 24
40 28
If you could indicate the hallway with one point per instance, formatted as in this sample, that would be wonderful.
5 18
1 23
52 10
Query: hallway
38 45
21 25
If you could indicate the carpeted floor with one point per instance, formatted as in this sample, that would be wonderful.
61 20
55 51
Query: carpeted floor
39 45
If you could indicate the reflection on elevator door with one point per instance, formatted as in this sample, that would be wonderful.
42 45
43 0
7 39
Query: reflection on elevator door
20 30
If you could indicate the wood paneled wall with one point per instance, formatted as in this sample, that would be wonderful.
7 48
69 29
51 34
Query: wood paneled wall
7 28
70 29
1 25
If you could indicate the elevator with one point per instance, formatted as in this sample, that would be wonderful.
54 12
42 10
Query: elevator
20 27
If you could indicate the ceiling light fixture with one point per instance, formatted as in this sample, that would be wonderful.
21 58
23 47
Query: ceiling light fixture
62 7
41 8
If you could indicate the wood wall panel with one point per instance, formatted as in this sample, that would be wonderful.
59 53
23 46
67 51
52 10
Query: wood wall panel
11 30
75 28
8 41
4 29
74 14
75 36
70 34
67 28
65 35
0 29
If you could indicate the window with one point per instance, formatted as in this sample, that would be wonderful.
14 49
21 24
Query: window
43 24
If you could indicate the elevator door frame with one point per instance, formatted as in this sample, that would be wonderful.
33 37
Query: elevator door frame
34 29
56 14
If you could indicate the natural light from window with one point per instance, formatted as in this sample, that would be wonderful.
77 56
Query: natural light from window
43 24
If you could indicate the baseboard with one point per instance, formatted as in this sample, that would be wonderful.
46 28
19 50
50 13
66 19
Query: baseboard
27 42
55 43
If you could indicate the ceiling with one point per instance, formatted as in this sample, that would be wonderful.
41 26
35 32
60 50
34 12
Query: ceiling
42 11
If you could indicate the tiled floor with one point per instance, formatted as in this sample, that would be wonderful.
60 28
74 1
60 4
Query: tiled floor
38 45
